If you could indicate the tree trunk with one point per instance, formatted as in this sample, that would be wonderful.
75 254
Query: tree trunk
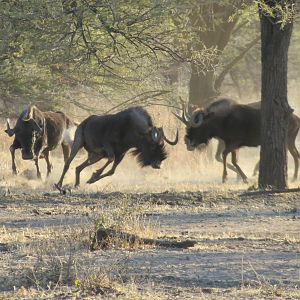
201 87
275 110
211 23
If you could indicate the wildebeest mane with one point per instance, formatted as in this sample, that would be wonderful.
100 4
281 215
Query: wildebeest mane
140 117
144 160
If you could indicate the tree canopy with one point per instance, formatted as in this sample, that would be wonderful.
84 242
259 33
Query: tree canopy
52 53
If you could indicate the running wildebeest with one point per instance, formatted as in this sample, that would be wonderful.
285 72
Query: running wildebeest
238 127
111 136
37 133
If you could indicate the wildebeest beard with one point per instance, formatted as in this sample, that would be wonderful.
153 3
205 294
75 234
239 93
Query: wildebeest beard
197 136
29 135
150 155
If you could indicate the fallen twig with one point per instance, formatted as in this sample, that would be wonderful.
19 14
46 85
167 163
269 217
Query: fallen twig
103 236
263 192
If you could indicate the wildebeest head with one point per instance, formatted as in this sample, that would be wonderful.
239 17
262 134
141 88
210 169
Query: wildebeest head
149 140
29 131
194 135
197 136
196 131
151 152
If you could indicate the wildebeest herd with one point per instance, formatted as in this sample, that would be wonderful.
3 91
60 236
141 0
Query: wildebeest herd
111 136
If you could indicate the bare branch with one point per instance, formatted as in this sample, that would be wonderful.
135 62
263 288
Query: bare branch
230 65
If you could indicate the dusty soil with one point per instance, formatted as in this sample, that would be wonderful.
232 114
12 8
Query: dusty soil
247 246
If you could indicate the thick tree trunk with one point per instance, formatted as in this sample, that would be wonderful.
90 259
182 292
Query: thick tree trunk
275 109
201 87
211 22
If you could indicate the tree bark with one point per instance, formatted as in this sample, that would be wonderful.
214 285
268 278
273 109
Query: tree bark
201 87
275 110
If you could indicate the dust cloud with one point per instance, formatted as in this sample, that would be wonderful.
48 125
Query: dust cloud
182 170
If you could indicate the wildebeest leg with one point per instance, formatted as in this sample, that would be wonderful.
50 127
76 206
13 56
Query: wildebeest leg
256 168
12 150
234 162
97 175
66 151
110 156
49 165
77 145
36 161
224 154
218 156
92 158
294 152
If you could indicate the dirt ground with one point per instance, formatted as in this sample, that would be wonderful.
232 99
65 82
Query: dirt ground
248 246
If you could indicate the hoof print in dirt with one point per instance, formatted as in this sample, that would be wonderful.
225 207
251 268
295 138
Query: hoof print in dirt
4 247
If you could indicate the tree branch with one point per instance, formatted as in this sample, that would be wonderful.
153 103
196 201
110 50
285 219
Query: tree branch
229 66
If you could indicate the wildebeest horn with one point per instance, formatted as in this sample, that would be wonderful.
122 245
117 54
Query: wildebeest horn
185 117
168 141
9 131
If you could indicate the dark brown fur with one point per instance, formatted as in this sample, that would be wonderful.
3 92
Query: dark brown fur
237 128
111 136
37 133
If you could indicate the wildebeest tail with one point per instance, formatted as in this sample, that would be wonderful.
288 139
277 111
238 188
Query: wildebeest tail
78 141
294 126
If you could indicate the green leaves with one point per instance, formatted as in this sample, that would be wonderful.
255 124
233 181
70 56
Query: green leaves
279 11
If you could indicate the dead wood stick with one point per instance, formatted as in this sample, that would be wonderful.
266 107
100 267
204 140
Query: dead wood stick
263 192
102 238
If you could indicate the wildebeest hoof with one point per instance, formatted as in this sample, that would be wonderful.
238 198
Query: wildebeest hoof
245 180
93 179
60 189
15 172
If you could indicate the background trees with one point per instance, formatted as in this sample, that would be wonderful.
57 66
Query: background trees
213 26
54 46
53 51
49 49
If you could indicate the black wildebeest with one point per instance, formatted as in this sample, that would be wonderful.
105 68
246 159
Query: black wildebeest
218 107
238 127
111 136
37 133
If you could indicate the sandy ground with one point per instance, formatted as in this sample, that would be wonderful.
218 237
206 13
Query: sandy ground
247 246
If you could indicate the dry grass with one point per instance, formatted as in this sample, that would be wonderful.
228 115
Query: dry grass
45 261
182 170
